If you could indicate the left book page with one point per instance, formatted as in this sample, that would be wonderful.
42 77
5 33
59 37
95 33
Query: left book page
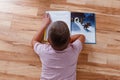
58 16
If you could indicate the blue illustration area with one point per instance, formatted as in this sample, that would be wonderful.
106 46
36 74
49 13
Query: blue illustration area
75 27
87 30
89 17
84 23
87 20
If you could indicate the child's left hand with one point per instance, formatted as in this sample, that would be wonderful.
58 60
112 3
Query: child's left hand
46 20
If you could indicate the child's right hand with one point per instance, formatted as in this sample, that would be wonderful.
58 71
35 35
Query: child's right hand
81 37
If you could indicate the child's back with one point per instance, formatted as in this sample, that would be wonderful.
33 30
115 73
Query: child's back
59 58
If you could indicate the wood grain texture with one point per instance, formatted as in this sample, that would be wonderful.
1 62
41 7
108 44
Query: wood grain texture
20 19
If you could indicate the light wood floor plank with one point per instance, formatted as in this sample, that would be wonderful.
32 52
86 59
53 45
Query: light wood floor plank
20 19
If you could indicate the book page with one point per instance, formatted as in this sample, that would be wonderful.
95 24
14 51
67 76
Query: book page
58 16
84 23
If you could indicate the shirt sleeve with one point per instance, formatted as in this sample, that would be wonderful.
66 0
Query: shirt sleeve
38 48
77 46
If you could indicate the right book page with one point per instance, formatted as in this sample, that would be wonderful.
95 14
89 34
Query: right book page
84 23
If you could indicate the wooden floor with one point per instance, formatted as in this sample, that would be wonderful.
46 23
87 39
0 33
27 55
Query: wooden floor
20 19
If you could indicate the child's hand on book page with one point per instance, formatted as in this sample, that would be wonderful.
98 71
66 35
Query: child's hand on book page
80 37
46 20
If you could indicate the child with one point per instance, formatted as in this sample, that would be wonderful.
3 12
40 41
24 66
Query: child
59 56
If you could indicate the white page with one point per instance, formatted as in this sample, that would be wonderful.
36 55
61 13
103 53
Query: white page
59 16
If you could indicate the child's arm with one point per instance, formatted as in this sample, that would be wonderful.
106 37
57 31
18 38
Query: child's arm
81 37
39 35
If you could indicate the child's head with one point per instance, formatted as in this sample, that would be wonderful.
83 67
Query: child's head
59 35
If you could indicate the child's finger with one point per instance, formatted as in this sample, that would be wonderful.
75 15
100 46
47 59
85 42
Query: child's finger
47 15
44 15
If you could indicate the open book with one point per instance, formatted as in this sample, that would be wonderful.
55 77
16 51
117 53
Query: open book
78 23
